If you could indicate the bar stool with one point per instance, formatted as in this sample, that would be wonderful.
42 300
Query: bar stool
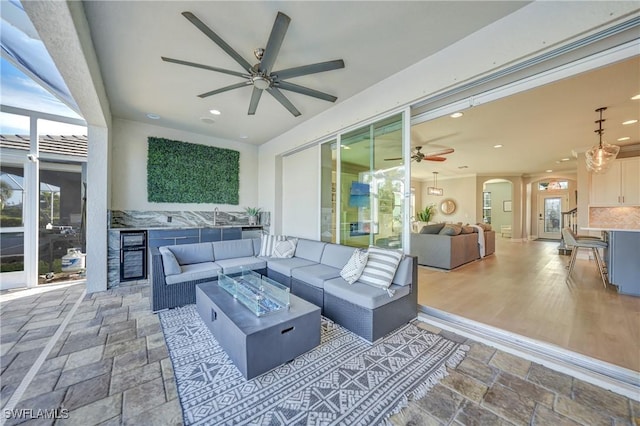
589 243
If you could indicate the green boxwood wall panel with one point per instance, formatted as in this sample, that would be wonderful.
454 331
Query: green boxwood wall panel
180 172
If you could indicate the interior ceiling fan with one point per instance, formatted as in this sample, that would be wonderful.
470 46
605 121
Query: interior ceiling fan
260 75
418 155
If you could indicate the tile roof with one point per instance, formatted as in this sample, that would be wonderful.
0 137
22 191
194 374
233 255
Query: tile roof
73 145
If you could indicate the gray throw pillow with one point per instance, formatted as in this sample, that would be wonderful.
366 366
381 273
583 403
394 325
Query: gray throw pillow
169 262
451 230
354 267
285 249
381 268
434 228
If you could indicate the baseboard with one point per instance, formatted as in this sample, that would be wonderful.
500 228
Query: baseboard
603 374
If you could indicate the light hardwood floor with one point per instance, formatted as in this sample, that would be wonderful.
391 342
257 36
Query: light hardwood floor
522 289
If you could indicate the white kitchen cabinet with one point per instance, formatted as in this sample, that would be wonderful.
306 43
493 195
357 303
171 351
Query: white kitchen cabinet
619 186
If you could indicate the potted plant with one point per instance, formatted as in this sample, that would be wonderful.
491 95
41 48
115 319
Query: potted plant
423 217
252 212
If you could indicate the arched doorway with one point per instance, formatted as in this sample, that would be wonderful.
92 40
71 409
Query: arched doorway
497 206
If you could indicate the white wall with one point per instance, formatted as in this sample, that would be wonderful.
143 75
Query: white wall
528 32
461 190
129 167
500 192
300 189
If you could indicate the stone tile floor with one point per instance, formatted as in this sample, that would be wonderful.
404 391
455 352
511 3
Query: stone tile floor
110 366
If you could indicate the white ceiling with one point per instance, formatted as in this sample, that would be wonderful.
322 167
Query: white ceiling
537 128
375 40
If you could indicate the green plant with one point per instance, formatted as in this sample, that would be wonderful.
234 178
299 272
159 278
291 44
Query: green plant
426 214
252 211
180 172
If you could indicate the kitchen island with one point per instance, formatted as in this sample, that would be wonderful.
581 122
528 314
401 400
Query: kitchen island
622 258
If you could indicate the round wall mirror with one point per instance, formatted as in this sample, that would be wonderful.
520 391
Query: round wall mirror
448 206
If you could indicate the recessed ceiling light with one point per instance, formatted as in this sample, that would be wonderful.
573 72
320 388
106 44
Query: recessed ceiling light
626 138
215 112
244 137
153 116
565 159
456 115
207 120
498 145
548 170
629 122
635 98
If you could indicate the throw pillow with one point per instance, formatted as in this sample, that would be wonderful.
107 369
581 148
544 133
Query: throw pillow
268 242
285 249
434 228
381 268
484 226
355 265
451 230
169 262
468 229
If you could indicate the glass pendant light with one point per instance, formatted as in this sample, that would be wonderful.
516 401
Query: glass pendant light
600 157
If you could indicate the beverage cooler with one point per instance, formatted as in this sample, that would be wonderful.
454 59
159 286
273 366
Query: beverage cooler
133 255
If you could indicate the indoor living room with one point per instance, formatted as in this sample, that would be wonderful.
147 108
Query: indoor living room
528 146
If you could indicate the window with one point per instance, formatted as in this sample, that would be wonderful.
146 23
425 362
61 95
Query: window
486 207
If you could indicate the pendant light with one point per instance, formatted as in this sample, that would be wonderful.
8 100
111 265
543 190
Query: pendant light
434 190
600 157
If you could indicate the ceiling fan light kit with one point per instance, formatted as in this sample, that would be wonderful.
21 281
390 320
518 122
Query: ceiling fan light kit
600 157
260 75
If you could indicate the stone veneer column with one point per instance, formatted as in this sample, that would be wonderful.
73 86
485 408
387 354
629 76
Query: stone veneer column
97 205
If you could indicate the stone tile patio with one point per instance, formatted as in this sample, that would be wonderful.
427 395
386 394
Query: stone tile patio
110 366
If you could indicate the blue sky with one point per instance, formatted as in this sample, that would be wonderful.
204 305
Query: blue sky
21 45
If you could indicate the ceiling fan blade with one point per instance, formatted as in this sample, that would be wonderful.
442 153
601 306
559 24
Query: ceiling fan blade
441 152
205 67
283 100
275 41
255 98
310 69
430 158
305 91
225 89
217 40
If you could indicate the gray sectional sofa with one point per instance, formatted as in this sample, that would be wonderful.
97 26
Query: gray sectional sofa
313 274
449 252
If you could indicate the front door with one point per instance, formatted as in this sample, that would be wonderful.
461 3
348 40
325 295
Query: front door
549 217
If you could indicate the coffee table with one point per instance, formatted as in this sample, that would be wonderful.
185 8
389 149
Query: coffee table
257 344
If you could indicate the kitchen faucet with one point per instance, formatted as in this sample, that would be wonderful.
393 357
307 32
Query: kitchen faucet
215 216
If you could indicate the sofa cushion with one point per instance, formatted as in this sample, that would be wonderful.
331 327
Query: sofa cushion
284 266
187 254
466 229
232 248
336 255
267 243
310 250
169 262
285 249
434 228
381 267
354 266
257 243
484 226
362 294
196 271
315 275
451 230
230 266
404 273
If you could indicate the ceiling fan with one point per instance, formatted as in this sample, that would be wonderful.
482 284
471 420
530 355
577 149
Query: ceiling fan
418 155
260 75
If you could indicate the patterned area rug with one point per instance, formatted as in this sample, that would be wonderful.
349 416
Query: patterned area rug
345 380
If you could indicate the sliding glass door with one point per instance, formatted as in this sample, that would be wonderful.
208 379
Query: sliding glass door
365 179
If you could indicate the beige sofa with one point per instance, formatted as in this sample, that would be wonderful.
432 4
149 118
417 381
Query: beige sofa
449 252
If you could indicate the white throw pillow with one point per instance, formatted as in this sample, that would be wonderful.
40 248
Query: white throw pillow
381 268
268 242
354 267
285 249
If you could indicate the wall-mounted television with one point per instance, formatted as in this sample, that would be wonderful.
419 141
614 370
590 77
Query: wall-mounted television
359 194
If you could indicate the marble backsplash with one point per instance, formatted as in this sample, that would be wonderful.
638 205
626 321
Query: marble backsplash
623 217
181 219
